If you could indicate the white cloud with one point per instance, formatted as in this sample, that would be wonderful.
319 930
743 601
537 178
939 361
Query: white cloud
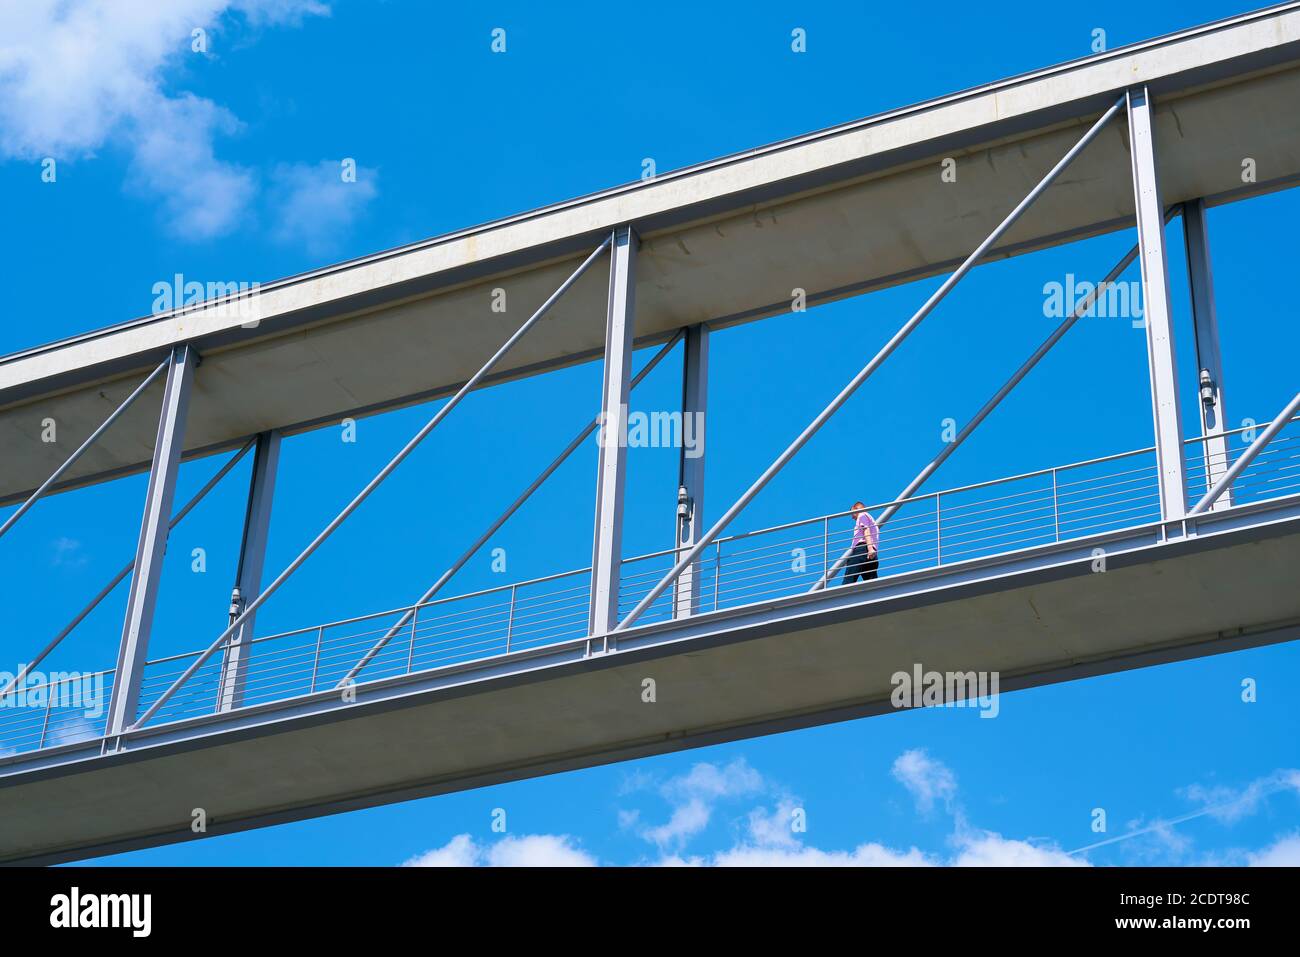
693 797
774 829
769 840
68 553
313 205
460 851
926 779
1285 852
77 76
687 820
865 855
987 849
531 850
1229 805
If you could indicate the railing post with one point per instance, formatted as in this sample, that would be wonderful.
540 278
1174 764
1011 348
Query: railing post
510 618
1056 506
826 546
938 530
45 723
410 653
717 572
315 665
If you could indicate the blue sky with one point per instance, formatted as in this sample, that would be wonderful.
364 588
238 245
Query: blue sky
223 165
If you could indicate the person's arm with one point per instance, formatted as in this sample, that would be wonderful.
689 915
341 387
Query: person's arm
872 536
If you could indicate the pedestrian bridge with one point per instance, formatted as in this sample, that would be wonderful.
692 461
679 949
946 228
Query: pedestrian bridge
1181 549
1044 576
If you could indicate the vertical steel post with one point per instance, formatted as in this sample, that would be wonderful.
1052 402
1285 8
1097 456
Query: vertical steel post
717 573
248 575
1155 299
611 472
410 653
143 597
690 493
49 703
315 663
1209 360
1056 506
510 620
938 531
826 547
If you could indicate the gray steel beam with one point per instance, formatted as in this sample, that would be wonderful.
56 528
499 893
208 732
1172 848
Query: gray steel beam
248 576
1155 300
690 491
1209 358
143 597
611 470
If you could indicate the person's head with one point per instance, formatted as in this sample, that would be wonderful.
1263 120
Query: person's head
857 509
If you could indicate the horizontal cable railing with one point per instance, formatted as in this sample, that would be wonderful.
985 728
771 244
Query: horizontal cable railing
927 532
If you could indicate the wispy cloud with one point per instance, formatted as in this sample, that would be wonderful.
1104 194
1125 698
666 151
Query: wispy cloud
313 205
693 797
768 840
68 553
81 76
926 780
1225 804
532 850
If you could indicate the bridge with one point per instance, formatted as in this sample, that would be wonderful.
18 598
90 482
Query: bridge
1177 550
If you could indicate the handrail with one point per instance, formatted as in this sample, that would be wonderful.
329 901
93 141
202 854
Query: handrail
731 538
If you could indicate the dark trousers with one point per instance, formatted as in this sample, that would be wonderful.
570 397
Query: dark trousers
859 566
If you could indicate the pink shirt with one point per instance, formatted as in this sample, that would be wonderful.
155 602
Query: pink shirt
865 531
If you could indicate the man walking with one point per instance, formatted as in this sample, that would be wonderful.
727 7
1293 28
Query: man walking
864 558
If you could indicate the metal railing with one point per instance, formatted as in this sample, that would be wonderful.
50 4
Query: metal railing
928 531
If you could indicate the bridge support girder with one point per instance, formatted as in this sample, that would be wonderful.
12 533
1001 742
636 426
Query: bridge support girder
1156 308
611 470
248 577
143 598
690 492
1209 358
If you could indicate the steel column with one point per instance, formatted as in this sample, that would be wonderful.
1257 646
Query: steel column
1209 360
611 472
143 597
1155 299
690 492
1279 422
248 576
